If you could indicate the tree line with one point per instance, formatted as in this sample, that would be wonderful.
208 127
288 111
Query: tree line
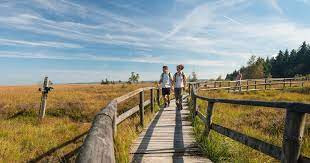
134 78
285 64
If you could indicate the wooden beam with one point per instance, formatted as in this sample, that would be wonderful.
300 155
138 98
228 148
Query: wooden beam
130 112
254 143
293 106
99 145
202 117
292 137
158 96
141 108
128 95
152 99
209 112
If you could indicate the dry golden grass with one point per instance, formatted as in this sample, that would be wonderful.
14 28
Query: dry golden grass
263 123
70 109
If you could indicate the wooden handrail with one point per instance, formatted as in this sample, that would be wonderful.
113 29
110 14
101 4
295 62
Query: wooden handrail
245 85
292 106
233 81
99 143
293 132
133 93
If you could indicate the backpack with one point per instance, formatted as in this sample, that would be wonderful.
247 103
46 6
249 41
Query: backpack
162 75
175 75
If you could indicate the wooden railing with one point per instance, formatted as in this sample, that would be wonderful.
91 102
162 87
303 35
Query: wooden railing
293 133
99 143
250 84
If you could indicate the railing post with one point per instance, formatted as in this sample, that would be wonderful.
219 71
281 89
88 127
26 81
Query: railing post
247 85
192 92
189 89
228 86
142 108
152 100
220 84
158 96
255 84
194 100
114 122
195 106
214 84
284 83
290 82
209 112
292 137
265 83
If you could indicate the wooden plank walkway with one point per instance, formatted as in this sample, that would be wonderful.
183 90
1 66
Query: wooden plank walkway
168 138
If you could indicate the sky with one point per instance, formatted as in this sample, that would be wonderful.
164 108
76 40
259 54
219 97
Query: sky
85 41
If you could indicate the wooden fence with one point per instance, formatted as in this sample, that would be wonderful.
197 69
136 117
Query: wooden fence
294 126
99 143
251 84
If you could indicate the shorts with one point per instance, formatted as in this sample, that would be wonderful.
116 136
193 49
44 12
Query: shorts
165 91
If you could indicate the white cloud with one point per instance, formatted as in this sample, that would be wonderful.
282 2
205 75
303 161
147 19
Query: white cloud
39 43
139 58
219 29
274 4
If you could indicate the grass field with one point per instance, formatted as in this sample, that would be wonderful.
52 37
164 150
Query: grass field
70 109
263 123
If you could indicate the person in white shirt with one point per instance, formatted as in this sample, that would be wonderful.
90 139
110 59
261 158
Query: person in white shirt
166 83
179 79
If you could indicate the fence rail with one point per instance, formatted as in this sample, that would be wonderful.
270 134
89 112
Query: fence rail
250 84
98 146
293 132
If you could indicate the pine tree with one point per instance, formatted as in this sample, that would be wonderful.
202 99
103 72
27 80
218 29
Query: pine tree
285 64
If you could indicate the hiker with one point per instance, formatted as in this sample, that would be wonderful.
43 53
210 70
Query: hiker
166 83
179 79
238 80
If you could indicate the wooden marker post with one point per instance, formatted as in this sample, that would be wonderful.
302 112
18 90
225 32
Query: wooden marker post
45 89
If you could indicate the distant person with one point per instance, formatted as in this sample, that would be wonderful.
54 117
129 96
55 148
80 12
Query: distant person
166 84
238 80
179 79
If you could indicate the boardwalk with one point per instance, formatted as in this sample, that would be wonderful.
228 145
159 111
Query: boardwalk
168 138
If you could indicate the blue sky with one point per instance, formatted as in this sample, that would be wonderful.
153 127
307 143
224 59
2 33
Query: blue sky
84 41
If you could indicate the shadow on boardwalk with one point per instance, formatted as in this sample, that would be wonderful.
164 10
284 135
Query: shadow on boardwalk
169 138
